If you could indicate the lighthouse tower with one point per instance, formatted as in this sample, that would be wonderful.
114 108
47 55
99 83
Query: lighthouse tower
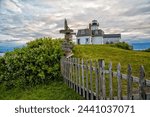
96 33
94 25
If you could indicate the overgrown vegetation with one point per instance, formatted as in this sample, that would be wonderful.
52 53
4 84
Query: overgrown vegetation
122 45
33 72
37 63
147 50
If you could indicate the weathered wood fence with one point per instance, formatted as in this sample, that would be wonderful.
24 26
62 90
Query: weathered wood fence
93 81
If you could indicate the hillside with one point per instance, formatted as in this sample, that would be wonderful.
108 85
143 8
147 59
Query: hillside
116 55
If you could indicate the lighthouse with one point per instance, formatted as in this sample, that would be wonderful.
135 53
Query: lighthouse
94 35
94 25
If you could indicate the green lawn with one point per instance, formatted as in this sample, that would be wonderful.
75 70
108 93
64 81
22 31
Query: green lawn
115 55
56 90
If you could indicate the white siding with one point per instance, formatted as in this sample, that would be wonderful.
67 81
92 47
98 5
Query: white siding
94 27
83 40
109 40
97 40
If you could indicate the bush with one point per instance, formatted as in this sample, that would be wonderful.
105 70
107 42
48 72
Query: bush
123 45
37 63
147 50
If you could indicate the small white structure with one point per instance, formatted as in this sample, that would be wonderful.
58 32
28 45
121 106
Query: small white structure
94 35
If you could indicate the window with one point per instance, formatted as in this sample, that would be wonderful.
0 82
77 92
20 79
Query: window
96 32
87 40
107 42
82 32
78 41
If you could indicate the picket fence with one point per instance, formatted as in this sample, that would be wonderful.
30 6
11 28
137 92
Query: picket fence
92 81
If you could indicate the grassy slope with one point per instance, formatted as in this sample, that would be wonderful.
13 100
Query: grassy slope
54 91
115 55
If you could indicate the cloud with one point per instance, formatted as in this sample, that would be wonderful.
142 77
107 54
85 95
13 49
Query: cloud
10 6
140 10
28 19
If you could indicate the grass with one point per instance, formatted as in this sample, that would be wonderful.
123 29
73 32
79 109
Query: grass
115 55
56 90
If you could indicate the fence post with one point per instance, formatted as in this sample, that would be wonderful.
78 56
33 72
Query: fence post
100 63
87 81
65 70
83 89
96 80
103 80
129 83
72 82
110 81
72 75
71 65
76 75
119 77
79 67
142 84
69 71
91 80
64 64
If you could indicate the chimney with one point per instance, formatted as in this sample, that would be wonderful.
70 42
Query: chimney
90 26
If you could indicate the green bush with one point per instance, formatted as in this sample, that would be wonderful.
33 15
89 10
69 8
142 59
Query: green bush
36 63
122 45
147 50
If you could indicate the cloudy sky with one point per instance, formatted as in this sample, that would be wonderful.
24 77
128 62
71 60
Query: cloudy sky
28 19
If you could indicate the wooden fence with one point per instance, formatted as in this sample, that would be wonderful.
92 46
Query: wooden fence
94 82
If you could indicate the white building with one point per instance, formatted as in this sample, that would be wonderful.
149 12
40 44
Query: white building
94 35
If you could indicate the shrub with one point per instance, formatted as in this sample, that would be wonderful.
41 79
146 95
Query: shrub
123 45
36 63
147 50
